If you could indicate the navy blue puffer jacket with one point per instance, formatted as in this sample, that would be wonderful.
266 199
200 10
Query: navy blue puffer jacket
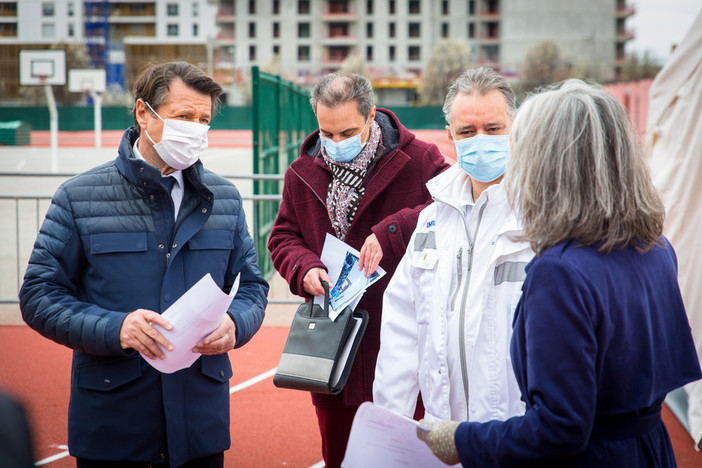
103 251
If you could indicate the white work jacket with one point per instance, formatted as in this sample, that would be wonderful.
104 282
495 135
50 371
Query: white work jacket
448 310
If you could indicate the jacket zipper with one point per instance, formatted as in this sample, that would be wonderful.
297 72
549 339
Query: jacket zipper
459 274
461 318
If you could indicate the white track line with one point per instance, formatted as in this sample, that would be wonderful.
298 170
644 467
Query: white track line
53 458
319 464
252 381
232 390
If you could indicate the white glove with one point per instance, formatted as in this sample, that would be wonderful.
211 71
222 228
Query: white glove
441 439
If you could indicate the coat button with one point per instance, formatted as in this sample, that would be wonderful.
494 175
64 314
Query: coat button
175 245
107 382
221 373
151 197
144 183
392 229
141 169
162 456
204 210
160 246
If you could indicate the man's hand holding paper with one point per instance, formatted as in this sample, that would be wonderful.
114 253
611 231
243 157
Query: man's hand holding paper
199 326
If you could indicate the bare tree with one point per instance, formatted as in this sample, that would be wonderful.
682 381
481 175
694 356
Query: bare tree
634 68
352 64
543 65
449 59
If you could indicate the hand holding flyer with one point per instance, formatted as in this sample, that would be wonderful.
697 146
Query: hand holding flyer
349 282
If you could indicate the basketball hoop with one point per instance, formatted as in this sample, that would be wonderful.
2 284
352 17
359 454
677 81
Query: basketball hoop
41 78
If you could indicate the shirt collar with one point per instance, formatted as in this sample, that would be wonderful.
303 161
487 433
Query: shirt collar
177 175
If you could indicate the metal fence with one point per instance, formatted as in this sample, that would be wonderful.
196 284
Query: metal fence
282 118
21 217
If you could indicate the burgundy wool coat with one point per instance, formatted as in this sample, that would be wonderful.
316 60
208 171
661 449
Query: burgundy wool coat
395 194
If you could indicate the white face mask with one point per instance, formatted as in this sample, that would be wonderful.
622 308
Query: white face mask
182 142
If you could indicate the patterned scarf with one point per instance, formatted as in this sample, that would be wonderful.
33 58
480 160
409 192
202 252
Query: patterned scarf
345 191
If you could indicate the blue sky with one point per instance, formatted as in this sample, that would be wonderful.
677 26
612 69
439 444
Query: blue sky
658 24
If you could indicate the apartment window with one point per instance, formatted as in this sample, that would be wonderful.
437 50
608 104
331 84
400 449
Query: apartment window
414 30
444 30
71 9
413 53
303 53
252 7
303 30
445 7
8 29
391 52
471 7
391 7
252 53
471 30
369 30
338 6
414 7
196 9
276 50
48 30
276 7
369 7
172 9
196 29
391 30
276 29
303 7
369 53
252 29
71 30
47 9
338 30
172 29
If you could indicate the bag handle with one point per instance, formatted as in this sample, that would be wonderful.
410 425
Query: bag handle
325 285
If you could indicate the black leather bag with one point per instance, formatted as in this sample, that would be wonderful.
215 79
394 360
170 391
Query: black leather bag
319 352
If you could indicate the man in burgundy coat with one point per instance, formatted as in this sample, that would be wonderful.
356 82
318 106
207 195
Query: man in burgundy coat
361 177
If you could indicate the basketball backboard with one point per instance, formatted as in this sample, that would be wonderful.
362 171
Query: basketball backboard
42 67
83 80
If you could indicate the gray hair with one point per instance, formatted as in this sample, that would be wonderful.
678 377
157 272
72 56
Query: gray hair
576 172
479 81
338 88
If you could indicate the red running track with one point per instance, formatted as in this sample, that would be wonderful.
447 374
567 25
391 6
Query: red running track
217 139
270 426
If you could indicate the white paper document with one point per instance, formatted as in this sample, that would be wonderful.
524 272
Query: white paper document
348 282
196 314
382 438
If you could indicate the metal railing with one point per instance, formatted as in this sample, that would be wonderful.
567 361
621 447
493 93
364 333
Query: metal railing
282 118
22 216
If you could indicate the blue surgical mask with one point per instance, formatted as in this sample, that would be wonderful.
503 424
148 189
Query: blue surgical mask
483 157
345 150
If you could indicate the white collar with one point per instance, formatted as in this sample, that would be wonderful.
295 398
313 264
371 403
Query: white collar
177 175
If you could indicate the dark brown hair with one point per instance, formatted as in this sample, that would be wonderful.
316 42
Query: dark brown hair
153 84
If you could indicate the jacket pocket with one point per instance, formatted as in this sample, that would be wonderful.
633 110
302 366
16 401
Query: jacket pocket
212 239
115 242
109 375
217 367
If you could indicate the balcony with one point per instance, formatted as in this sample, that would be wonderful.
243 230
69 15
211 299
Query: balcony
624 11
625 35
131 19
225 14
489 39
489 15
339 16
339 40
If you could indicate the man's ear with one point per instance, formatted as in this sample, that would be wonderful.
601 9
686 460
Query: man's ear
449 134
371 117
141 112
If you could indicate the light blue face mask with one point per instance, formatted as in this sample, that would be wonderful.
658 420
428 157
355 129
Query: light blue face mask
345 150
483 157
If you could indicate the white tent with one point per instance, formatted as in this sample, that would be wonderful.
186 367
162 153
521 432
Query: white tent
674 144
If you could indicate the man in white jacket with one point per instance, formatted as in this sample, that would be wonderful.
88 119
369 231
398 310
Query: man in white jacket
448 310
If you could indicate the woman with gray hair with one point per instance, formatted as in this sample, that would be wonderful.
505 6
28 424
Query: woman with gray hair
600 334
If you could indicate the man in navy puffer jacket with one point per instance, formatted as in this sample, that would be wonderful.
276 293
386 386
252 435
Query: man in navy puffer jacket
118 247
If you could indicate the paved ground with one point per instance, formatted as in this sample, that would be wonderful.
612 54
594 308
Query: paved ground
270 427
